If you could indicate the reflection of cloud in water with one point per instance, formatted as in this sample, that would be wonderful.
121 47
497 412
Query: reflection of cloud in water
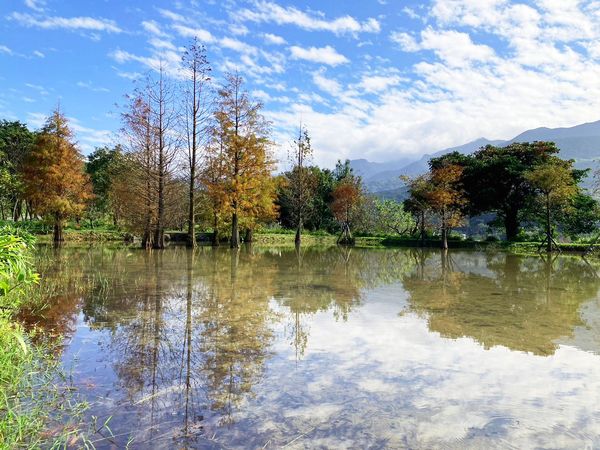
380 349
414 388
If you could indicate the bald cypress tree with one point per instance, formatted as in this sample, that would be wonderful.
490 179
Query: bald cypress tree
54 175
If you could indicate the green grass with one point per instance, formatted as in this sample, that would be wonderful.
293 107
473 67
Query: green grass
37 407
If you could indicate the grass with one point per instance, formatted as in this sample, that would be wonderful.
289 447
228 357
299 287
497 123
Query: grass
38 409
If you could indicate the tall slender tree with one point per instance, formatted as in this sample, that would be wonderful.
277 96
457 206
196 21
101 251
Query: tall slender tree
161 97
446 197
141 179
556 186
55 180
300 184
247 162
197 113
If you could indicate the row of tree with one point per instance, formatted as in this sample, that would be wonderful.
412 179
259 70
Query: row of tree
196 156
522 183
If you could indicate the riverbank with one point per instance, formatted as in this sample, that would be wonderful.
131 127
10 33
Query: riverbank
37 406
285 238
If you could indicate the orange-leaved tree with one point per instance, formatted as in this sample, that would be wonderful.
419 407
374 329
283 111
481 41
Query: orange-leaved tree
346 205
445 197
244 151
56 184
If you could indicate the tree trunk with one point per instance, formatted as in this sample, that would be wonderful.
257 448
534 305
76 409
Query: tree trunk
147 242
17 211
249 238
511 224
235 233
444 232
58 231
548 226
298 239
159 232
422 228
191 240
215 235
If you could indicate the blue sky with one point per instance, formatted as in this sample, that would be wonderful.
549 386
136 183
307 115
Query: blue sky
380 79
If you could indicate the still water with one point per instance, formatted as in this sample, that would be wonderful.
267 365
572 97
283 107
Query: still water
330 348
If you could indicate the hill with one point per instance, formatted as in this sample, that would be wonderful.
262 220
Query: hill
581 143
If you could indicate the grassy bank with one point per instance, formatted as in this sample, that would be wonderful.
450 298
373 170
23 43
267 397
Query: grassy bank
37 408
74 233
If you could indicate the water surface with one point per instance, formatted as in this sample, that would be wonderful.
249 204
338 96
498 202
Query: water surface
330 348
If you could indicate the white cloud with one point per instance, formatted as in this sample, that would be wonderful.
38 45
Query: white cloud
68 23
378 83
36 87
238 46
323 55
90 86
407 42
38 54
274 39
36 5
189 32
4 49
266 11
153 27
238 29
332 87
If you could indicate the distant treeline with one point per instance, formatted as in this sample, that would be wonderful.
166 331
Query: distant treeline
196 156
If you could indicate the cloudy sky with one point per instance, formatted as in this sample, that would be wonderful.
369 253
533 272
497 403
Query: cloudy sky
379 79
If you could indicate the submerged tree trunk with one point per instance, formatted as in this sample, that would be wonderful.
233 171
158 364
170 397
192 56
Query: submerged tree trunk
235 233
548 226
422 225
444 232
511 224
58 231
298 239
215 235
191 239
346 237
249 238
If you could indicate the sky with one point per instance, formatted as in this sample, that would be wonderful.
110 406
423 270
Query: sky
377 79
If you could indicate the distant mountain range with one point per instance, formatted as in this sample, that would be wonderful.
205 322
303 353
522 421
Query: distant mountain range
581 143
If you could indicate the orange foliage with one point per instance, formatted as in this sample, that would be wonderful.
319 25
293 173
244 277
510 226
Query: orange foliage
55 181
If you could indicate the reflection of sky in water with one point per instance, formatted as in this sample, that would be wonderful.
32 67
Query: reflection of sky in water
375 377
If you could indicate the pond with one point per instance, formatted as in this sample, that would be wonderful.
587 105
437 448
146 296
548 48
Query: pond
329 348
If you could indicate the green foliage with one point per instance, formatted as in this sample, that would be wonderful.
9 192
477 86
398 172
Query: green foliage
16 142
16 269
102 166
582 217
495 179
393 218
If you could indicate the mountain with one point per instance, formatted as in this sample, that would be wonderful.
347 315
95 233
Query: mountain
367 169
581 143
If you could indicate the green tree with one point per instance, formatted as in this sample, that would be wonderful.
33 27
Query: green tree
417 202
102 166
393 218
556 186
16 142
583 216
494 179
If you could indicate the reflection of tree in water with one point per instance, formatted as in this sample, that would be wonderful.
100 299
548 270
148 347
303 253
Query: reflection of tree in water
188 334
313 280
501 299
60 292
